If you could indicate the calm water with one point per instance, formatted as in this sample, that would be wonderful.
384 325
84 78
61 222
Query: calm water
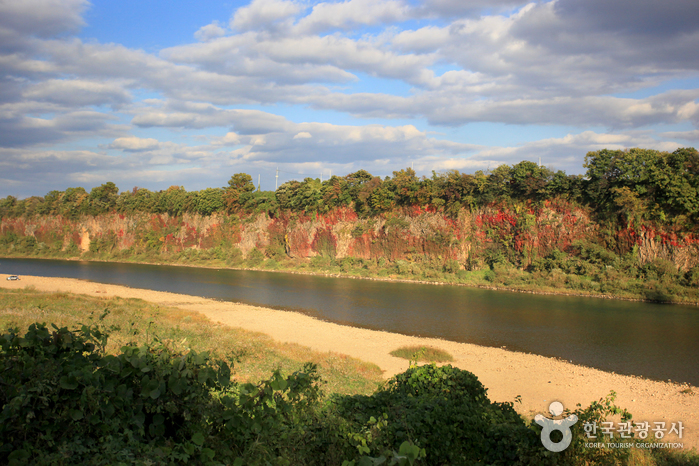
652 340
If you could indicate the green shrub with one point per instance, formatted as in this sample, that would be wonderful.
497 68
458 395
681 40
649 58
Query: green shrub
255 257
691 277
321 261
271 264
235 257
422 353
452 266
64 401
445 411
27 244
659 269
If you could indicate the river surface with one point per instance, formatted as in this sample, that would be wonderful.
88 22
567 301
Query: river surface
651 340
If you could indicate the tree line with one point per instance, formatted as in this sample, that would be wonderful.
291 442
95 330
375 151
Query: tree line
632 186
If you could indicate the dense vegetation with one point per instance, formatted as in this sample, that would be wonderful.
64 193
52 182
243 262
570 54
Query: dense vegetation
628 227
634 186
65 400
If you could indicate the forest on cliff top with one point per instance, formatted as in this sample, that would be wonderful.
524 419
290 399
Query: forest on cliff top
627 227
626 187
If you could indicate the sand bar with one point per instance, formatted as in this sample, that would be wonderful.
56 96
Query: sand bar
506 374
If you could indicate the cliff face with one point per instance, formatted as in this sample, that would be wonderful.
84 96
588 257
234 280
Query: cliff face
519 234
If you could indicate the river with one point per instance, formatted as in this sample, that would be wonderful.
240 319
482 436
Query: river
651 340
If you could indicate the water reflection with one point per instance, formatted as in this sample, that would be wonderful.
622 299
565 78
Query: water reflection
656 341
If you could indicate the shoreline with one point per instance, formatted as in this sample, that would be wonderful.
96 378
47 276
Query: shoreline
565 292
506 374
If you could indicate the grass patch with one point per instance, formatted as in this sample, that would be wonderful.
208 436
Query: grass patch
422 353
254 355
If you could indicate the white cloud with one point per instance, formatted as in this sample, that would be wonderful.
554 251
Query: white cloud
43 18
230 139
134 144
263 13
350 13
210 31
303 135
78 92
19 129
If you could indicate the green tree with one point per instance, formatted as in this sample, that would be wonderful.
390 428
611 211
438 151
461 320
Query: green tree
137 200
175 201
238 192
209 200
530 181
286 193
336 192
7 206
309 196
74 202
263 201
497 184
51 203
103 198
406 186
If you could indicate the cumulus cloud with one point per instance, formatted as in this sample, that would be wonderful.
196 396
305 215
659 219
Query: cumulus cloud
78 92
230 139
350 13
134 144
175 114
20 130
264 13
210 31
43 18
275 138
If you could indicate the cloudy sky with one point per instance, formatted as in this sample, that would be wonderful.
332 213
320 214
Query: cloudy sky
153 93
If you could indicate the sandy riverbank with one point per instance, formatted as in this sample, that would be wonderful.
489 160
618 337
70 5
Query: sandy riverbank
506 374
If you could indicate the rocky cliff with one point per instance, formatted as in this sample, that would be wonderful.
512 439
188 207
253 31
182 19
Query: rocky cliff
518 234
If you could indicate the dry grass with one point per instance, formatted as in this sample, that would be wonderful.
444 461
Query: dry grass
422 353
255 355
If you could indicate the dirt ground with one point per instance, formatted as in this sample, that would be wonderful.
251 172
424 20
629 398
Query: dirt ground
506 374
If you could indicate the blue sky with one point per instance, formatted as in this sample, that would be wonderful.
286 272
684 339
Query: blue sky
155 93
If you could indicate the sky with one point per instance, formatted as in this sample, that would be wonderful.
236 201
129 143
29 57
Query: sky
155 93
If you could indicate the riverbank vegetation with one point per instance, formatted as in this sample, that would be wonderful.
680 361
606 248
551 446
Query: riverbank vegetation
136 322
628 228
152 392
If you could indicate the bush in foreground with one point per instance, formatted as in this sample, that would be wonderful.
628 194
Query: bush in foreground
65 401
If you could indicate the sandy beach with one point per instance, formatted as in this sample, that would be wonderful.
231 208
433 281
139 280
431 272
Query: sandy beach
506 374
